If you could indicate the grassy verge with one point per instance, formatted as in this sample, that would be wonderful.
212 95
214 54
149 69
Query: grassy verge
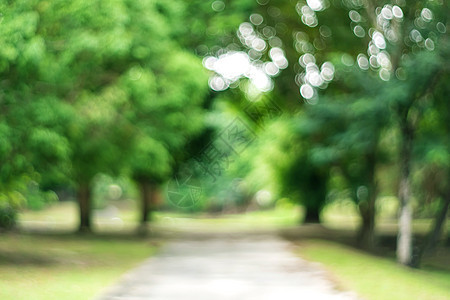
254 220
376 278
65 266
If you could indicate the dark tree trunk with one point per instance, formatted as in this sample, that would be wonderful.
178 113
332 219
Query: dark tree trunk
314 194
312 215
149 196
433 237
85 209
145 202
404 239
366 236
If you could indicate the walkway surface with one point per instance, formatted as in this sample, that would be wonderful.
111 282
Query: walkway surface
243 268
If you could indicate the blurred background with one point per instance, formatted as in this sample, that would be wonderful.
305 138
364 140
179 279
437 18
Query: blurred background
124 124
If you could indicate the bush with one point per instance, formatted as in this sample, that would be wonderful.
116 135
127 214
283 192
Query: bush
8 216
36 199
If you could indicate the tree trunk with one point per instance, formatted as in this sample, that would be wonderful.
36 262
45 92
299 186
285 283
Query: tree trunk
366 236
433 236
314 195
145 202
149 197
312 215
404 238
85 209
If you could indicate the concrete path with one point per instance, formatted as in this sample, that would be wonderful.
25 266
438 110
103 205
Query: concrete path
255 268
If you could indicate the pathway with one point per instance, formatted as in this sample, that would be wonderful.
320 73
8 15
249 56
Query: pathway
242 268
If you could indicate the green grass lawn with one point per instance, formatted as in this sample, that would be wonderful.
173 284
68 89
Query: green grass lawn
65 266
250 221
123 218
378 278
62 217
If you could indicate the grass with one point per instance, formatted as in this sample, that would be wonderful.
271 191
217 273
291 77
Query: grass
378 278
65 266
72 267
63 217
123 217
251 221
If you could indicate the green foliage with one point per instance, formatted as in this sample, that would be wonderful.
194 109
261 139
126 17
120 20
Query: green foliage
37 199
8 217
99 86
209 25
107 190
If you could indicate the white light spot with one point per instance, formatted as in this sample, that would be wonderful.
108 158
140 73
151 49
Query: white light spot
135 73
415 36
263 198
363 62
391 35
429 44
208 62
325 31
306 59
373 50
347 60
400 74
373 61
307 11
386 12
273 11
359 31
276 52
217 83
315 5
253 54
311 21
115 192
327 71
277 56
385 74
441 27
397 12
218 5
281 62
420 23
378 40
384 60
314 78
306 91
256 19
261 81
312 67
354 16
271 69
258 44
426 14
268 31
246 29
275 42
232 65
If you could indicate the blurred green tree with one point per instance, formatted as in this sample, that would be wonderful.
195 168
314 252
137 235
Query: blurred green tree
95 87
402 44
32 121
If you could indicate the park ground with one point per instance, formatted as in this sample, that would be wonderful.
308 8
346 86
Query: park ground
45 260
